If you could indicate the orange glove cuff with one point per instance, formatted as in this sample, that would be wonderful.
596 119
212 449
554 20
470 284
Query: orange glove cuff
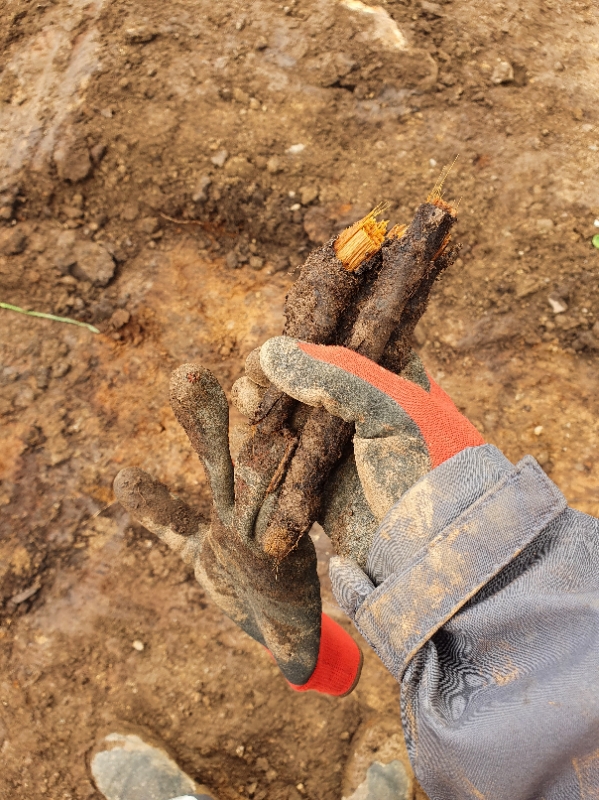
339 663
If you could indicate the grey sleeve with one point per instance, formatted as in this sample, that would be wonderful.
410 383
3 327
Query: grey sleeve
482 598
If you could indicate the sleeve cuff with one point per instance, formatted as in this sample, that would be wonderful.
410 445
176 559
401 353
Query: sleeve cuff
339 663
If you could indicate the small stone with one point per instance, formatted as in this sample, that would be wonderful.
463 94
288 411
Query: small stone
308 194
239 751
434 9
545 225
72 213
200 194
260 44
60 368
26 594
538 430
240 96
344 736
558 305
220 159
97 153
273 165
254 104
578 114
125 766
72 158
93 263
140 35
256 262
231 260
296 148
120 318
239 167
138 645
318 225
503 73
384 782
12 241
586 341
130 212
148 225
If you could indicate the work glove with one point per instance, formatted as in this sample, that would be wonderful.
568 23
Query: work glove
405 426
277 603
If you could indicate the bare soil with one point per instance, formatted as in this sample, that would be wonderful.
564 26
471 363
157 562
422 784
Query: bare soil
164 167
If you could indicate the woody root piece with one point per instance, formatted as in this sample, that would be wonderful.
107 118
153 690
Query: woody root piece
365 290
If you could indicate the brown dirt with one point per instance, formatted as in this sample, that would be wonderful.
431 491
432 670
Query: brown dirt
113 119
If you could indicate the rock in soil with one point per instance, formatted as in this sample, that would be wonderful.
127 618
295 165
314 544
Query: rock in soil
93 263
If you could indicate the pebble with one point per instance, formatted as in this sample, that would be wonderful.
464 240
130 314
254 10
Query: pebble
538 430
308 194
558 306
120 318
200 194
296 148
97 153
240 96
231 260
274 165
545 225
256 262
138 645
139 35
384 782
434 9
148 225
93 263
72 158
220 158
239 166
503 73
12 241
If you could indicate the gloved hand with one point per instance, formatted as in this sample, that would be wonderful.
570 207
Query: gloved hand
277 604
405 427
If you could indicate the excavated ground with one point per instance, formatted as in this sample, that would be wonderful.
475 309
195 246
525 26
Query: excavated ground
164 167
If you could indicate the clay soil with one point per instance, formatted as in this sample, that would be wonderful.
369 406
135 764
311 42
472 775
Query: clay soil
164 168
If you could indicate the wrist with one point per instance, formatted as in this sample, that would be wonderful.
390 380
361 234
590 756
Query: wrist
339 662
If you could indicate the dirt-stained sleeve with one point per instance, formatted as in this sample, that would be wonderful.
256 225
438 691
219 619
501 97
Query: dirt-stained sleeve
482 598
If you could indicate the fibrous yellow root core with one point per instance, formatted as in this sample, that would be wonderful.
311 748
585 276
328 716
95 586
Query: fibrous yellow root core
436 195
361 240
397 231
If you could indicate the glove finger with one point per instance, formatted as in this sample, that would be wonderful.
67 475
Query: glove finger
347 519
201 408
351 586
153 506
253 369
246 396
388 467
381 403
341 381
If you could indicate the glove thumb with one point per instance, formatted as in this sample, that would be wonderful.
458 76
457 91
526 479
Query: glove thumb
351 586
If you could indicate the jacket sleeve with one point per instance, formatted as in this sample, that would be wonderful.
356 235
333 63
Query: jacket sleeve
486 609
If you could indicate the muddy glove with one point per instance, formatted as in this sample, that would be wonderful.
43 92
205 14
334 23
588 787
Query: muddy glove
405 427
278 605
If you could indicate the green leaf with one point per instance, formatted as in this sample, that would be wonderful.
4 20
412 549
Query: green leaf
53 317
595 241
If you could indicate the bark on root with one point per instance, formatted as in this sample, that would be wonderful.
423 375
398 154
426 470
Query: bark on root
373 311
